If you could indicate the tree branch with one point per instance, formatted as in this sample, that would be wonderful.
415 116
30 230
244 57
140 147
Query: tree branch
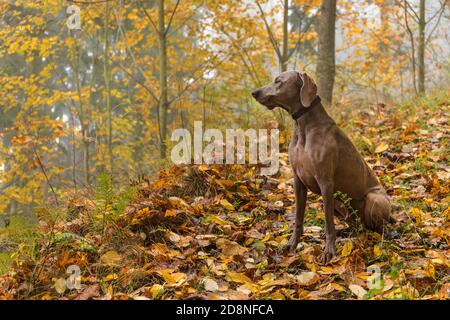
269 31
149 17
171 17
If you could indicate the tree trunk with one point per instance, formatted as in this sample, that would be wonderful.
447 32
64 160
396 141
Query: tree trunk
326 50
284 60
162 80
422 47
108 91
82 117
413 51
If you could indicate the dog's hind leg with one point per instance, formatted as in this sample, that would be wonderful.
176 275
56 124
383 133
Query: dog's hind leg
377 210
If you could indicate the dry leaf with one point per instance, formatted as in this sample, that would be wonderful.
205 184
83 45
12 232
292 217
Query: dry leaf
381 148
111 258
230 248
357 290
307 278
89 292
210 285
224 203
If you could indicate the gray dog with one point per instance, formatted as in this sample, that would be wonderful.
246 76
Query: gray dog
324 160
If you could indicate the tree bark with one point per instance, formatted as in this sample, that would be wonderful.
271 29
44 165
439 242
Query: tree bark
162 79
82 118
421 52
285 56
108 91
413 51
326 69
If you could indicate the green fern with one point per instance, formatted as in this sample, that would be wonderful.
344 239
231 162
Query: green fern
110 205
104 195
123 199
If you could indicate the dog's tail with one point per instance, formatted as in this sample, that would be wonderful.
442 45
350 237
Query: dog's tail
377 210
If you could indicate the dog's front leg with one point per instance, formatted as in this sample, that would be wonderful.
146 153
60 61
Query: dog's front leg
300 204
327 189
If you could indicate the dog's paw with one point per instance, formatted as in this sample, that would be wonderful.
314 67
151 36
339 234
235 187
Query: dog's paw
292 244
328 253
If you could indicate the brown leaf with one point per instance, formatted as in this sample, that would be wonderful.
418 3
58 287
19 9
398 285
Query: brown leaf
89 292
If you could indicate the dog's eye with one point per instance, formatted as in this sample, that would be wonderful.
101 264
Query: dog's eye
277 81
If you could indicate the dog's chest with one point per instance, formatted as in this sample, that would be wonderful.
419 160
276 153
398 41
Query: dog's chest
302 164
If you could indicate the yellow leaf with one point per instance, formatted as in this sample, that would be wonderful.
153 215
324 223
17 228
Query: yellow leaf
226 204
60 285
368 142
203 167
337 287
347 249
173 279
238 277
178 203
429 268
111 258
377 252
156 291
382 147
242 278
230 248
217 219
111 276
417 214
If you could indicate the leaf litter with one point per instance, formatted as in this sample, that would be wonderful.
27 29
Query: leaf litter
217 232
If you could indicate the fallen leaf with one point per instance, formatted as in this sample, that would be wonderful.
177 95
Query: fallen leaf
111 258
230 248
357 290
173 279
156 291
210 285
307 278
381 148
377 252
60 285
227 205
89 292
347 249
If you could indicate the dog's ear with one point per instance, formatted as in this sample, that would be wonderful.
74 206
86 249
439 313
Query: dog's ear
308 92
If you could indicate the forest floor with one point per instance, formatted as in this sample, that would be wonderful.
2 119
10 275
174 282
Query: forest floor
217 232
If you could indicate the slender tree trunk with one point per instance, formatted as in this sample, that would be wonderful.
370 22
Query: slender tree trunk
285 52
82 118
413 50
106 74
422 47
162 79
326 69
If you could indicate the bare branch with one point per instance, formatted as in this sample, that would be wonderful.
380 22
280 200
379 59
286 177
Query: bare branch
441 12
269 31
149 17
413 11
308 25
248 65
171 17
143 85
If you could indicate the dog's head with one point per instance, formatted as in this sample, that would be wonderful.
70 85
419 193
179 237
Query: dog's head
290 90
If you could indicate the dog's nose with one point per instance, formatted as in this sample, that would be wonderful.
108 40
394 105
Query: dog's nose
256 93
